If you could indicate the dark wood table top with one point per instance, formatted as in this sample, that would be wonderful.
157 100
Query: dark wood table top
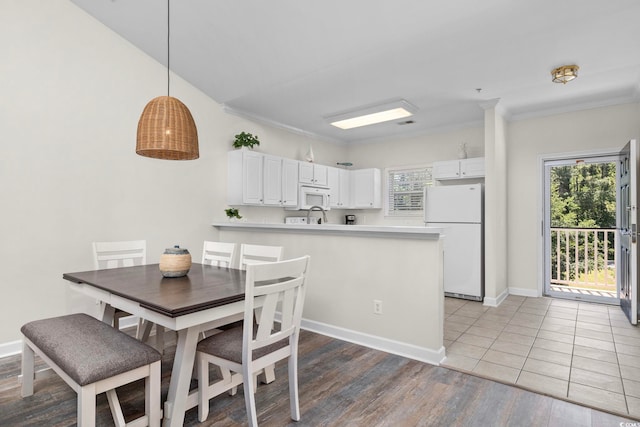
203 288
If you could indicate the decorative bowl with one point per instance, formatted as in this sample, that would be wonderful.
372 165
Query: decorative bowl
175 262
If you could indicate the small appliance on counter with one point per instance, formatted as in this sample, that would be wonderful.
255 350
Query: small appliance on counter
350 219
302 220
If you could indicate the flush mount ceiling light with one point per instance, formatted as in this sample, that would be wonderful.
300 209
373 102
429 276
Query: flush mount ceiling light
166 129
565 74
373 114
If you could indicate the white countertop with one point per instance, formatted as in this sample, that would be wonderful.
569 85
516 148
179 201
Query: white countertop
360 230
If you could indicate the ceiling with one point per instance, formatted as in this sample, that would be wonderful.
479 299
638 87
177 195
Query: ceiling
292 63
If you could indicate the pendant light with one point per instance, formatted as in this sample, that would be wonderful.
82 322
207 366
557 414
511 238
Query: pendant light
166 129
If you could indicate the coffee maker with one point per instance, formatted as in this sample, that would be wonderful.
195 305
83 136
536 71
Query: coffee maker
350 219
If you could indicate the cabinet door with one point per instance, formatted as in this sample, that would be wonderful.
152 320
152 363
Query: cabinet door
272 181
320 175
472 168
334 187
252 178
306 173
367 189
289 182
345 189
446 170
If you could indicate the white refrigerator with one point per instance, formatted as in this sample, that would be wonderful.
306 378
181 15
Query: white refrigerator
458 209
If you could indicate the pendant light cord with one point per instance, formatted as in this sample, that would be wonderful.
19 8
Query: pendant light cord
168 44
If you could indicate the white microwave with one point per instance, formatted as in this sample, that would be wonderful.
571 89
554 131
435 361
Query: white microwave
310 196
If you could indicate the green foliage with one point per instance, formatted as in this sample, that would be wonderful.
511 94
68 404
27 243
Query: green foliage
584 196
244 139
232 213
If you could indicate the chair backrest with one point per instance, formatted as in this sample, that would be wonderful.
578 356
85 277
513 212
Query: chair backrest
218 253
119 254
282 285
258 254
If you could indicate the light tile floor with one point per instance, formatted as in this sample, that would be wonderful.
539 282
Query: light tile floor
583 352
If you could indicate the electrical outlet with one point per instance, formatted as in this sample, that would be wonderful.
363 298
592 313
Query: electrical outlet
377 306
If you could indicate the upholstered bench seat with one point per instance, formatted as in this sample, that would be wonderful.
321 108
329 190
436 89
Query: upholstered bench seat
92 357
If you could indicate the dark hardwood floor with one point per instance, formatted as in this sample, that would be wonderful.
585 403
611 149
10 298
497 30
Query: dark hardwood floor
341 384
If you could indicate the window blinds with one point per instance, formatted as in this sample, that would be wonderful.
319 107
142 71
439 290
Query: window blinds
405 190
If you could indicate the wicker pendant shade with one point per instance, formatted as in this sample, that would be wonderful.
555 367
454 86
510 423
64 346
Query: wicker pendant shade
166 130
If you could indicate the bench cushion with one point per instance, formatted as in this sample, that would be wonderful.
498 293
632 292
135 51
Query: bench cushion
87 349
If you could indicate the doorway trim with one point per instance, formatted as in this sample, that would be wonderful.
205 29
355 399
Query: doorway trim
541 203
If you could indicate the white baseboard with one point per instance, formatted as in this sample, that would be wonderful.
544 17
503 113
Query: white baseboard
10 348
524 292
495 302
422 354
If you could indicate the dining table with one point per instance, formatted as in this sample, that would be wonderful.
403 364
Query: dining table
206 298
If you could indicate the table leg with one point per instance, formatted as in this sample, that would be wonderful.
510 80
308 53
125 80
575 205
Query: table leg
175 406
108 313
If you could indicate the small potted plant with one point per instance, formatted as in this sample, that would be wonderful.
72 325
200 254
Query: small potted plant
232 213
244 139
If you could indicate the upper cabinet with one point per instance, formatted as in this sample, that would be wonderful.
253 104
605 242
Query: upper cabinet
280 181
339 191
259 179
264 180
244 178
311 173
459 169
366 189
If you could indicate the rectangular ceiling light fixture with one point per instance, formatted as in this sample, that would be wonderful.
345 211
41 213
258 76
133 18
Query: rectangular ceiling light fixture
373 114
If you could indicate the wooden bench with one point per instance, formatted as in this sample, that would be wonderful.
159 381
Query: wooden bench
93 357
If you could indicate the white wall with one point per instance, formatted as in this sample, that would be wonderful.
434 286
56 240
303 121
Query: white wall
528 140
345 277
72 93
495 206
414 151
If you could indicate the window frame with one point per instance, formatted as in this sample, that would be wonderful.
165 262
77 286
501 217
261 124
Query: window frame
387 191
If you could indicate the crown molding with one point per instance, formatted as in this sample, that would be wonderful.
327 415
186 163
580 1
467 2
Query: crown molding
278 125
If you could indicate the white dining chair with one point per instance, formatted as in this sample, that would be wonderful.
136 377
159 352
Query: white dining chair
127 253
219 254
257 254
249 349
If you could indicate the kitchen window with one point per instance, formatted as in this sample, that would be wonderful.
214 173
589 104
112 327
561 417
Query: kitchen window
405 190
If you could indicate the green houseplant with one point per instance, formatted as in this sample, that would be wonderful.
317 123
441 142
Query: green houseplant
232 213
244 139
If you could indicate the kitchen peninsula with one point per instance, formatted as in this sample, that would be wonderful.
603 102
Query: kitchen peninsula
358 269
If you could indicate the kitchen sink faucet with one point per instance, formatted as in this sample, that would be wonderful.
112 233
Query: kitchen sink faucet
317 208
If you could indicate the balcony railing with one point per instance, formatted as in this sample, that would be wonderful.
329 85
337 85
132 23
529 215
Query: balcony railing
584 257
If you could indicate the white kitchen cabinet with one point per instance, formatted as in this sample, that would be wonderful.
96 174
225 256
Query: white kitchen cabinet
272 180
459 169
339 189
244 178
312 173
290 173
472 168
259 179
280 181
366 189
